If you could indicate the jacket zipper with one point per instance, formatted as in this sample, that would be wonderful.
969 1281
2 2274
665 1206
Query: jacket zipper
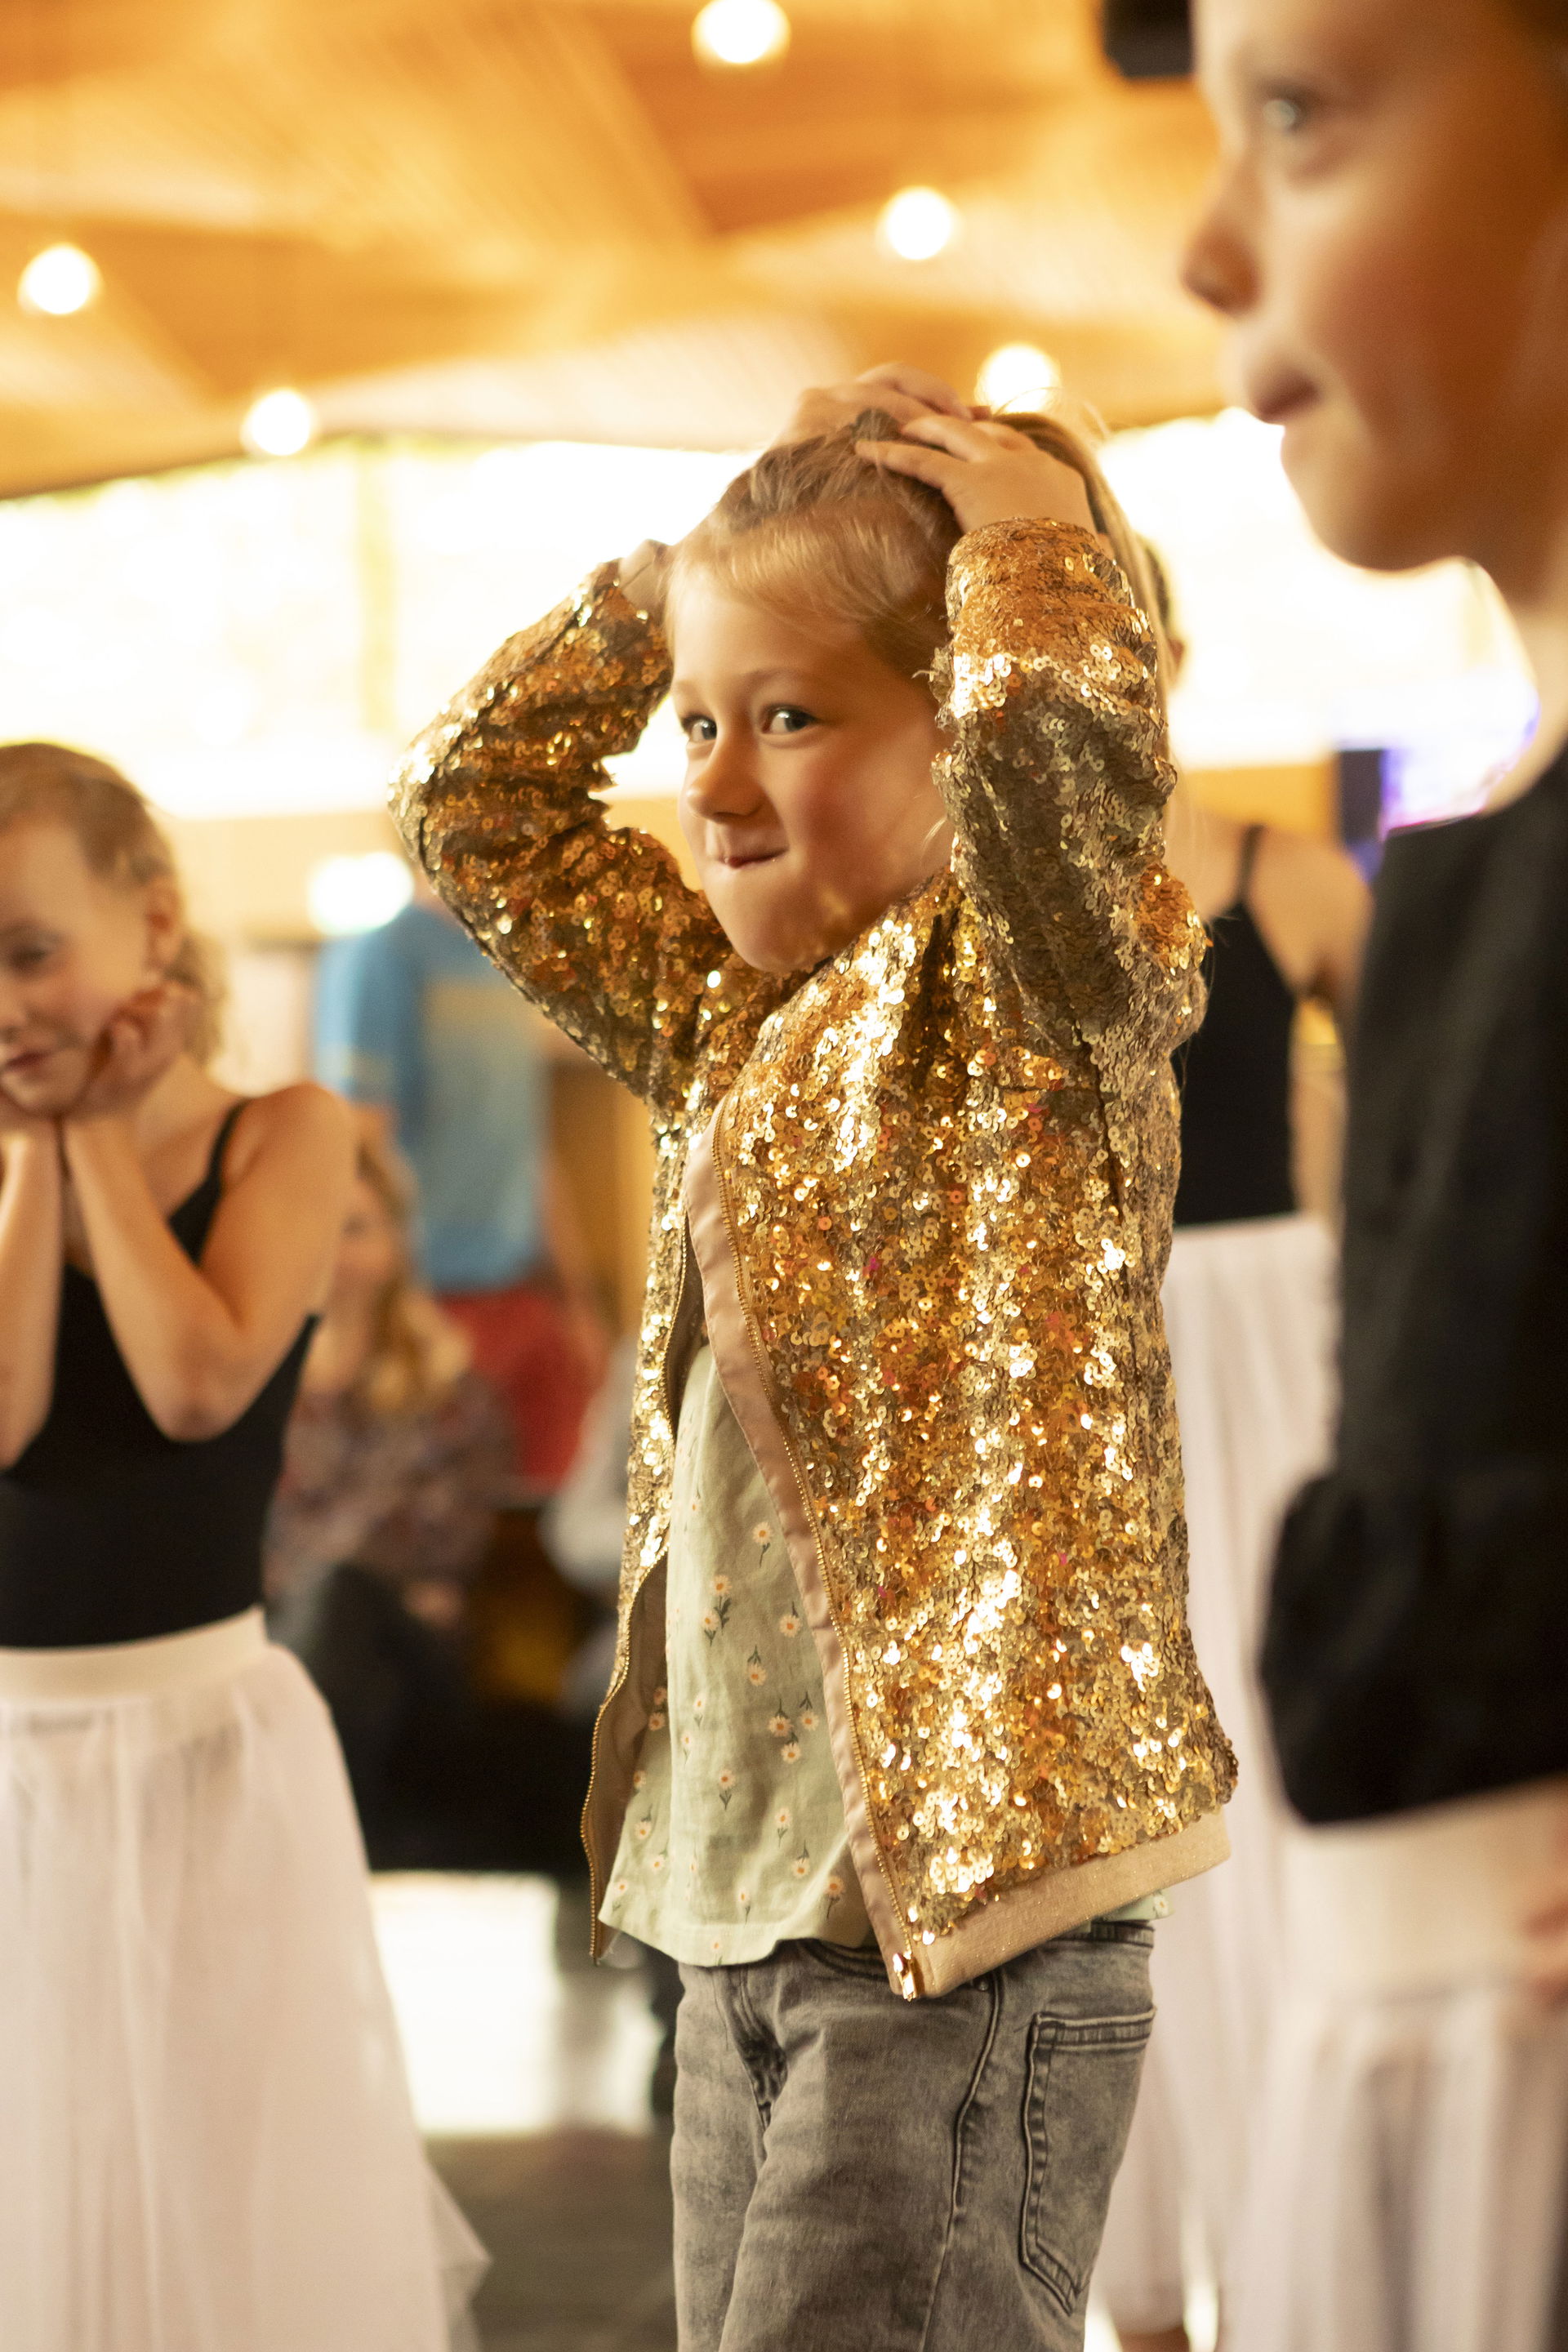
771 1391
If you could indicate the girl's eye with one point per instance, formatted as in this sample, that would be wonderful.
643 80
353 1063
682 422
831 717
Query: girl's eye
787 719
698 729
27 955
1287 113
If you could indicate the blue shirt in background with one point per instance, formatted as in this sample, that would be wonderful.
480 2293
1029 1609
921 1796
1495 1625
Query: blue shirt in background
415 1018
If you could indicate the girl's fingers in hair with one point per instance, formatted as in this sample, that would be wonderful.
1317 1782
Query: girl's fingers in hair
987 473
829 408
933 465
927 390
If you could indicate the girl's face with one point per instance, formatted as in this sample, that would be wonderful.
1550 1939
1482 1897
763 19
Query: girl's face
808 799
1389 239
73 948
370 1253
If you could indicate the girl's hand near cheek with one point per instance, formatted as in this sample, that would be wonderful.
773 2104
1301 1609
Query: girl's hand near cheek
986 471
905 393
145 1037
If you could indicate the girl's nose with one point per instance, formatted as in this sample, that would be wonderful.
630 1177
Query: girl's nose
1219 265
726 783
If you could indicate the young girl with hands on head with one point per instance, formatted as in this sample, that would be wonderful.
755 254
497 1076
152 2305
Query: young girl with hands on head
905 1735
207 2137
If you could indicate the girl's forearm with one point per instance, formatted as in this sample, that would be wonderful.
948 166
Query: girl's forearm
32 1246
181 1344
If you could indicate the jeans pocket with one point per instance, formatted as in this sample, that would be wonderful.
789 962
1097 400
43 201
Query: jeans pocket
1078 2095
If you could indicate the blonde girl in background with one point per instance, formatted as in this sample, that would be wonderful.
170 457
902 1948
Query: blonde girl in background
205 2137
397 1458
905 1733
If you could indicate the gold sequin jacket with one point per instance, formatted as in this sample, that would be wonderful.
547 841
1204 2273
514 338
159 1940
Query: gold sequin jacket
921 1198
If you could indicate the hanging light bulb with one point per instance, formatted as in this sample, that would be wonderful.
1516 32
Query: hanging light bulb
918 223
740 33
279 424
1017 375
58 281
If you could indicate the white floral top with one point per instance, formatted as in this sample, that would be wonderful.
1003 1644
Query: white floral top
735 1840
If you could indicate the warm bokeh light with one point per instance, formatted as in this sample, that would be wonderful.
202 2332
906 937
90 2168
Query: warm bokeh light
279 424
358 893
741 32
1017 375
918 223
60 281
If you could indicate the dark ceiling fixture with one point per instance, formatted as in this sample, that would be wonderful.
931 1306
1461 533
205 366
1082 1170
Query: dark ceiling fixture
1149 40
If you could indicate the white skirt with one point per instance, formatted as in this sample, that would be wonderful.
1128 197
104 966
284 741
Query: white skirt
1412 2162
206 2143
1249 1310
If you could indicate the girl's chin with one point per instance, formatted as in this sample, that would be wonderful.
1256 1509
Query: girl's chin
48 1087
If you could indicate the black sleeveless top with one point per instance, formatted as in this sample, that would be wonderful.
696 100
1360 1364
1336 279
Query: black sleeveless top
1419 1619
109 1531
1235 1076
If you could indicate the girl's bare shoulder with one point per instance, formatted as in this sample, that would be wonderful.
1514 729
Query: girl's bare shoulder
304 1126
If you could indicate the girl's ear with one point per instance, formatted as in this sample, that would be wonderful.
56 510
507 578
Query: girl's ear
165 917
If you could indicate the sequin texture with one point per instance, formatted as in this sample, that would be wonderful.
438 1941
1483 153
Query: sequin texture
948 1157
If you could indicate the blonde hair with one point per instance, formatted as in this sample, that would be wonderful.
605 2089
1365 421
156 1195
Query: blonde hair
811 528
416 1353
120 838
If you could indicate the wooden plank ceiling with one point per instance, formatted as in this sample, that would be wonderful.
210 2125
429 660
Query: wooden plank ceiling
543 216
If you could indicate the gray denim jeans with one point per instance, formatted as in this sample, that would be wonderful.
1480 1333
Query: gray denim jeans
857 2173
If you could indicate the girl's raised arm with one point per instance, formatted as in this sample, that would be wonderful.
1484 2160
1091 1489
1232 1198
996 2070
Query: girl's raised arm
1058 781
31 1253
593 924
1059 771
201 1341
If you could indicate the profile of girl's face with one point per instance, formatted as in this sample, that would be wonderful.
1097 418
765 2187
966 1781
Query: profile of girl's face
1388 239
73 949
808 799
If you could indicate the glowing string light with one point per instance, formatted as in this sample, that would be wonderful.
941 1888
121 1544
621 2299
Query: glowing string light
741 32
1017 375
279 424
58 281
918 223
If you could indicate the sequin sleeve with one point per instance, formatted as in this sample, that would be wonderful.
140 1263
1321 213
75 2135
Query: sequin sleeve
591 921
1056 776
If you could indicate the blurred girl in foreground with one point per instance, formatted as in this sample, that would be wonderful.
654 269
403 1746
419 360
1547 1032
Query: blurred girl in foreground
205 2137
1389 239
1248 1301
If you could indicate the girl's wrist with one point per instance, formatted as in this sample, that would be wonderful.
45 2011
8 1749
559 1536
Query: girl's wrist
24 1139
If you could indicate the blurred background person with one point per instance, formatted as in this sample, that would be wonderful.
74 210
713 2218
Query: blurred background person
396 1461
1249 1313
414 1023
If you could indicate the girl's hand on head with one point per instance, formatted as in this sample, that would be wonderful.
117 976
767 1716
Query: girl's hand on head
906 392
986 471
146 1037
642 576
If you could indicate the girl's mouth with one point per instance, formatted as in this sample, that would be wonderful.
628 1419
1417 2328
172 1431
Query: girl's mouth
736 859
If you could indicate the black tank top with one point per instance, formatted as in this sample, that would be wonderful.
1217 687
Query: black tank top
109 1531
1235 1076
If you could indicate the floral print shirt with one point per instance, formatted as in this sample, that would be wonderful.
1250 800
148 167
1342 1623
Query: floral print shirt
735 1840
